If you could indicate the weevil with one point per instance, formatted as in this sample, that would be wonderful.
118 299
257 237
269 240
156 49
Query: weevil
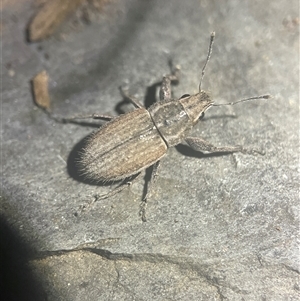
132 142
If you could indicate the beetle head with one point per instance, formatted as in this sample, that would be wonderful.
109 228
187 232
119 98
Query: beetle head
196 105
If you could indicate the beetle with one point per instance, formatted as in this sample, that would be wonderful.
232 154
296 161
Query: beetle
132 142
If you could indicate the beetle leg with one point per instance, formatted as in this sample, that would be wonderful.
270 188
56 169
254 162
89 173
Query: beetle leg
100 116
78 117
149 190
93 116
126 182
130 98
165 89
201 145
175 73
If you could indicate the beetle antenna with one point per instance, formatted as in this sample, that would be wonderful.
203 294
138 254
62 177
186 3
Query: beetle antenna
266 96
212 38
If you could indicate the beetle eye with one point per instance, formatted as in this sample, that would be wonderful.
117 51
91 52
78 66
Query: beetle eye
185 95
201 116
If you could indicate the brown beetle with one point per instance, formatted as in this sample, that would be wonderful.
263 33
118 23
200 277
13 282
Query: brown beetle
130 143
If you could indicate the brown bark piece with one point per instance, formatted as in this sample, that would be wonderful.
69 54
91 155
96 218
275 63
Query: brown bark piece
40 90
52 14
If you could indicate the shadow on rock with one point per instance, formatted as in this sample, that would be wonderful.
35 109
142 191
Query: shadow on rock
16 279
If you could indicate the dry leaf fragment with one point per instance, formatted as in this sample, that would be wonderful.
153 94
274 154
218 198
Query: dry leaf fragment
40 90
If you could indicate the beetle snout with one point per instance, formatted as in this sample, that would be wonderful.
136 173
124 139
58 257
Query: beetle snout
196 105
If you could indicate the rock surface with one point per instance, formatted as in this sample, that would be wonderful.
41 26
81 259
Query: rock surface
219 227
